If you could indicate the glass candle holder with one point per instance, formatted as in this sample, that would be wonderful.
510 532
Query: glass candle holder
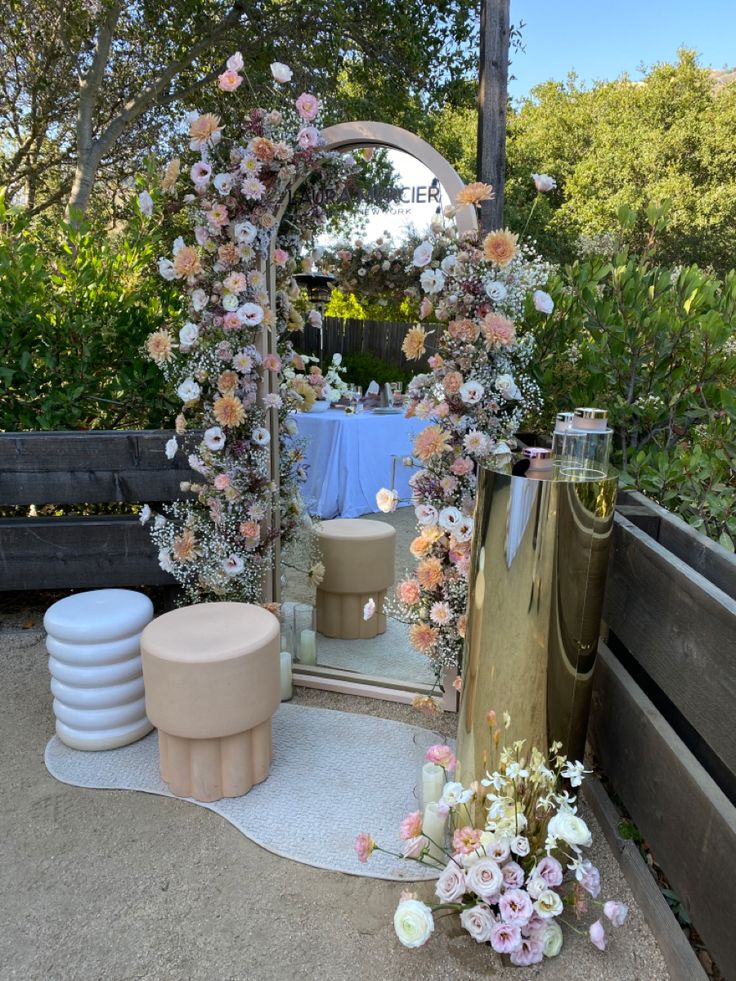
305 633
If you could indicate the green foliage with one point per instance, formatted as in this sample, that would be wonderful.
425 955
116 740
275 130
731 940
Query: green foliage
363 368
76 306
655 345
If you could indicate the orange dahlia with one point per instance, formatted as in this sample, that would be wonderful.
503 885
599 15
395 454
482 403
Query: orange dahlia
228 410
474 193
499 247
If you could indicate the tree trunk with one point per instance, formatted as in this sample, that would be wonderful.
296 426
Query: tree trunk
84 179
492 104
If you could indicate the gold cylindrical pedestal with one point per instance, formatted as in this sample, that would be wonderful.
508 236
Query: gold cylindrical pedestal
540 554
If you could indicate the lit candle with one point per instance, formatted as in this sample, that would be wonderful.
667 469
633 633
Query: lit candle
308 647
433 826
286 687
433 782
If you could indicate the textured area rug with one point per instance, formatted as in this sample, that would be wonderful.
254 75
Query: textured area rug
334 774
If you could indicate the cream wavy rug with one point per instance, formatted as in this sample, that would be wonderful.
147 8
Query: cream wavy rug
334 774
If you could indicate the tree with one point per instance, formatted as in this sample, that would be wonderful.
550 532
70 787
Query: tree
90 86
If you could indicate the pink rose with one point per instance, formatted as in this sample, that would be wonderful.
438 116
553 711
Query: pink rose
485 879
425 308
280 257
441 411
513 875
442 756
272 362
411 826
452 382
308 137
451 884
307 106
479 922
222 481
409 592
229 80
231 321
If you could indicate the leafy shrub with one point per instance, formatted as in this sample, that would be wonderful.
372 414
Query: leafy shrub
364 367
657 346
76 305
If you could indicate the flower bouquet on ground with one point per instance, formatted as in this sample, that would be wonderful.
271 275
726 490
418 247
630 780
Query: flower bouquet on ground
510 854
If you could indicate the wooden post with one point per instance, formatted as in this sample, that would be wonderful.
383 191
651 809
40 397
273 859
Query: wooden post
492 101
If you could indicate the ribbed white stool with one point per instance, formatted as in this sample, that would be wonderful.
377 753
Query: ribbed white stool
95 664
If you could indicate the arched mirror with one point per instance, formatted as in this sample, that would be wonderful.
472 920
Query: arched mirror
359 299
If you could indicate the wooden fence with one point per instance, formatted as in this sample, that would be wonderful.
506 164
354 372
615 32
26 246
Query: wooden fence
349 336
663 707
83 468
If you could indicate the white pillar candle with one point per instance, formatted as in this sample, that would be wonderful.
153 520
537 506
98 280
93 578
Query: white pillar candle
433 782
286 687
308 647
433 826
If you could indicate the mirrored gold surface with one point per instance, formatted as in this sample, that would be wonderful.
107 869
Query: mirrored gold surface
538 572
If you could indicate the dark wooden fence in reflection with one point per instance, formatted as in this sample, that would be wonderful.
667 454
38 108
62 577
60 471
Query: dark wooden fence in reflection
382 338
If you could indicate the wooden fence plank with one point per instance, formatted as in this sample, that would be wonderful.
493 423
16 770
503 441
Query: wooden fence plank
688 822
700 552
678 955
66 553
680 629
90 487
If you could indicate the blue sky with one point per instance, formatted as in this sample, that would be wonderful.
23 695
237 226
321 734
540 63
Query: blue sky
600 39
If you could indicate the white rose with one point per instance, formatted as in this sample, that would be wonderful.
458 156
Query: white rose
235 62
188 391
387 500
426 514
568 827
544 183
506 385
188 334
451 885
199 300
337 359
496 291
291 427
549 904
536 886
166 268
432 280
448 264
223 183
413 922
543 302
520 845
145 514
170 449
230 301
479 922
164 560
315 319
485 879
449 518
422 254
281 73
551 937
245 232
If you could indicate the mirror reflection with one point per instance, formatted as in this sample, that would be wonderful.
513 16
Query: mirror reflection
358 306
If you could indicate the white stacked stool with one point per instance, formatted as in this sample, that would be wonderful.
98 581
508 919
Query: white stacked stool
95 664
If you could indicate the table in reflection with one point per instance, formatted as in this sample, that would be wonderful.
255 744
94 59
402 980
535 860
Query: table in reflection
350 458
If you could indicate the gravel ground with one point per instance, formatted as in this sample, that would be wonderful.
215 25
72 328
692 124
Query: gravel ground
115 885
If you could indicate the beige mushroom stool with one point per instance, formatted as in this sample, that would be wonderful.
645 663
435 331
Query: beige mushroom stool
358 557
211 674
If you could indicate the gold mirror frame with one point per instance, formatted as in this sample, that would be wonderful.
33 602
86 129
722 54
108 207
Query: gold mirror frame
343 138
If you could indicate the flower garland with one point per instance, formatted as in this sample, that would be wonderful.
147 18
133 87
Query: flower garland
475 398
218 543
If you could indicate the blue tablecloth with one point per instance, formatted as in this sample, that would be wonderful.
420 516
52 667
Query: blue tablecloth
350 458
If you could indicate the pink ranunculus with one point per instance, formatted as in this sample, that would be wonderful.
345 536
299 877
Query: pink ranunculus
616 912
222 481
364 846
229 81
272 362
530 951
231 321
415 846
280 257
307 106
550 870
411 826
441 411
435 361
505 938
441 755
466 840
597 935
516 907
462 466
